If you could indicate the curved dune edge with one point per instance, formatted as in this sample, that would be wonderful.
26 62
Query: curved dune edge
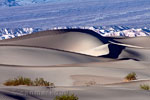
74 40
130 46
134 41
29 56
97 51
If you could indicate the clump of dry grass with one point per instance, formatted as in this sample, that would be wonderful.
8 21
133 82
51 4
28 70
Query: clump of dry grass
145 87
90 83
42 82
66 97
27 81
131 76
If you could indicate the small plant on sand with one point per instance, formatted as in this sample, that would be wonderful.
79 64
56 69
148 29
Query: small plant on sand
66 97
145 87
131 76
27 81
19 81
90 83
42 82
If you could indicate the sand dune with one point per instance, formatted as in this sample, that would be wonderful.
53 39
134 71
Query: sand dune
32 56
98 51
76 41
69 40
71 46
135 41
81 41
75 58
137 48
136 54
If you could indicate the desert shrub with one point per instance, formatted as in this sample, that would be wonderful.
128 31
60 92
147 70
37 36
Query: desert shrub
90 83
42 82
66 97
145 87
27 81
131 76
19 81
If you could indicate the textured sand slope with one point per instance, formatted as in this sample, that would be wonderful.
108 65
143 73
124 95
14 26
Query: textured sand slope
136 54
74 40
69 40
31 56
98 72
137 48
49 48
84 93
135 41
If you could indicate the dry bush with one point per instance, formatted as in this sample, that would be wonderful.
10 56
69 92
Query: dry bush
90 83
66 97
131 76
27 81
145 87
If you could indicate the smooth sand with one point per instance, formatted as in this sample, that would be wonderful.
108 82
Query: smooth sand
79 61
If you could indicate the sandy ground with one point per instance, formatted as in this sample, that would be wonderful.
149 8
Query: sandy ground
84 93
91 76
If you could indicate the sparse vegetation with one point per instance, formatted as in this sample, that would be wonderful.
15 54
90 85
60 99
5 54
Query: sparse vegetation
27 81
42 82
66 97
90 83
145 87
131 76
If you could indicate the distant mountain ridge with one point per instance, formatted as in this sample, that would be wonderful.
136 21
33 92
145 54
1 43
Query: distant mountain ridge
8 3
11 3
7 33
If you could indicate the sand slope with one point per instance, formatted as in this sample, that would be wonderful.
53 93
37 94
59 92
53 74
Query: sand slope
76 58
77 41
31 56
69 40
135 41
